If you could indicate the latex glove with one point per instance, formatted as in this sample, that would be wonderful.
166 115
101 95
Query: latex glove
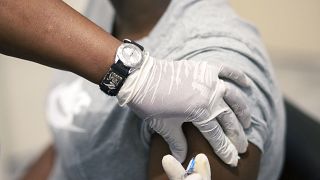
168 93
175 170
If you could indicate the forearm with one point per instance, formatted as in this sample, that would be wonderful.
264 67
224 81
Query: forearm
52 33
42 167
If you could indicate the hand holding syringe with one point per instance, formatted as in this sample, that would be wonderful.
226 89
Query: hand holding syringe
198 168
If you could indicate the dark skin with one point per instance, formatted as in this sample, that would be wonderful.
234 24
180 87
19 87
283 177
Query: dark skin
53 34
247 169
136 18
60 37
248 166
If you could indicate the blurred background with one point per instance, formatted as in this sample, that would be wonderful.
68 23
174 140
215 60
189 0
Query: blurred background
289 28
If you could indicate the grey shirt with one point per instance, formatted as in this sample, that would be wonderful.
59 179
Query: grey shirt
97 139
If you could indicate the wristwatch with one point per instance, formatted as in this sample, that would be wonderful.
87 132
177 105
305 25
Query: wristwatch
129 57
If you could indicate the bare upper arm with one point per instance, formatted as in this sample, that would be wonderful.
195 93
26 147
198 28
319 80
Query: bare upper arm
247 168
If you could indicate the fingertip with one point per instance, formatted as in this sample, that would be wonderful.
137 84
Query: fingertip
245 81
244 147
172 167
238 76
179 151
201 158
240 142
202 166
180 156
233 158
247 123
202 161
234 162
246 118
167 160
177 143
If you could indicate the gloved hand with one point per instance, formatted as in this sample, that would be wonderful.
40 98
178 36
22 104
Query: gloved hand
175 170
167 93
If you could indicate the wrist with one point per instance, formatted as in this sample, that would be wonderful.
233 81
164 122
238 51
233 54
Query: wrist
92 64
128 58
105 62
135 81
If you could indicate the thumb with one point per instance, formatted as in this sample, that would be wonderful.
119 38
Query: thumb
171 131
202 166
195 176
173 168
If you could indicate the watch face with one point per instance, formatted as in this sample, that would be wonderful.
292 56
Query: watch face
130 55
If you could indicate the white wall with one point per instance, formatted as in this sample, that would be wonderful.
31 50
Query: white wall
290 25
23 121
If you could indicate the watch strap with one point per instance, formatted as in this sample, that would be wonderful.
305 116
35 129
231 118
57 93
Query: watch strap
114 79
117 74
133 42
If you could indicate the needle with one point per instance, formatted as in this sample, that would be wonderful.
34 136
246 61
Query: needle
190 167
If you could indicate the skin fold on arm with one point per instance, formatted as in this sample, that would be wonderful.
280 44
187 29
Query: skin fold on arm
247 168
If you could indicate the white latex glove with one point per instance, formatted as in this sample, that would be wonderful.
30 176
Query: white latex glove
175 170
168 93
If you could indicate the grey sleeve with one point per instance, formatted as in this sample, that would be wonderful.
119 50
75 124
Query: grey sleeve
227 39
